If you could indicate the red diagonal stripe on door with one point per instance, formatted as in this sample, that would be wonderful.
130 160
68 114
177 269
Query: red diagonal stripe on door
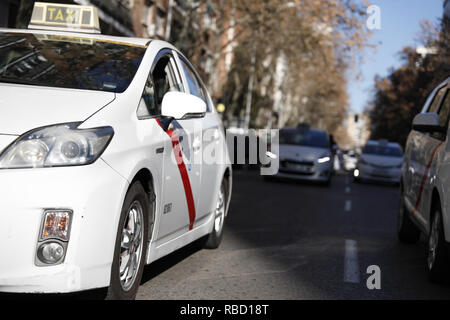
183 173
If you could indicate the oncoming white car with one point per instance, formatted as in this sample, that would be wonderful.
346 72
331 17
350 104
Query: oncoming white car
425 183
379 161
102 141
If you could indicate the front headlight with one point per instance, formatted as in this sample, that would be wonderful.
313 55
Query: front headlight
55 146
323 159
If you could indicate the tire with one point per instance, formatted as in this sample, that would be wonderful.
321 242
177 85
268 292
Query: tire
407 232
438 259
214 239
134 216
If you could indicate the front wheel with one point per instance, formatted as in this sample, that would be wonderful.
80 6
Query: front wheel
215 237
131 245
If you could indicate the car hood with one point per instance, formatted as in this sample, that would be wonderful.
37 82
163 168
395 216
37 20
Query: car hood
382 161
302 153
23 108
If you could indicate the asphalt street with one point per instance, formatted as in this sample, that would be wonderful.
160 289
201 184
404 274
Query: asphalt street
293 240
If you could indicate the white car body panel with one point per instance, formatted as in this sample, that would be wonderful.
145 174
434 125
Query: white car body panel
426 173
96 192
43 106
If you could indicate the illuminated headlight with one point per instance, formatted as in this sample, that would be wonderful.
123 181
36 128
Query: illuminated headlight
271 155
323 159
59 145
56 225
356 173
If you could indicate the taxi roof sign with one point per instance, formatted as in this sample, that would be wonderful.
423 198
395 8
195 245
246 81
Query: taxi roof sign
64 17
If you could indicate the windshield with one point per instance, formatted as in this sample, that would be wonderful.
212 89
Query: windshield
308 138
67 62
383 151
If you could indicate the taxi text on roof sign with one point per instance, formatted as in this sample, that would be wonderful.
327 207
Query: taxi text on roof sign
64 17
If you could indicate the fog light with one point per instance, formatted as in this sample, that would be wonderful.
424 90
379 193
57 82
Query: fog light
51 252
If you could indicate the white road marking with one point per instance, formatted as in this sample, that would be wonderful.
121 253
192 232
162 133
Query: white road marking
347 189
348 205
351 265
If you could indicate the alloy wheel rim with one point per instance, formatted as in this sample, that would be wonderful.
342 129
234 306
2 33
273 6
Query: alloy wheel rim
220 212
131 246
433 241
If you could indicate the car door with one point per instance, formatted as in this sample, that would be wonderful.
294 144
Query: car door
180 176
424 146
210 152
436 153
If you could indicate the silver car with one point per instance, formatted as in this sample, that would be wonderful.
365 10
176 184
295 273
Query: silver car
305 154
380 161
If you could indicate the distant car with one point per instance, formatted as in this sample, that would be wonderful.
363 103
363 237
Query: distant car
380 161
425 183
350 160
305 154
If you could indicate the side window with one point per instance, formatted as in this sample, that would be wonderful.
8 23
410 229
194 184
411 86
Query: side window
194 85
437 98
160 81
147 105
164 79
444 112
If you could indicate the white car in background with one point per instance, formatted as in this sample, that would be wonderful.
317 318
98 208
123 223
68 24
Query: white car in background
305 154
380 161
100 139
425 184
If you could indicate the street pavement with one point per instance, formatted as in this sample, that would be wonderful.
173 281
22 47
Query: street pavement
294 240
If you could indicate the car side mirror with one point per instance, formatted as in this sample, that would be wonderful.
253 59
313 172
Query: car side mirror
182 106
427 122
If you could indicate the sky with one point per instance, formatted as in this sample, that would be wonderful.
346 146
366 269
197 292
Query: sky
399 28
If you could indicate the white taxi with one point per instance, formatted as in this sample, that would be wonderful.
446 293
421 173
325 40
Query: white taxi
112 155
425 183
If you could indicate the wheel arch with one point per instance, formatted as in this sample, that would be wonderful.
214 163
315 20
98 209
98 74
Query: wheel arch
145 177
436 201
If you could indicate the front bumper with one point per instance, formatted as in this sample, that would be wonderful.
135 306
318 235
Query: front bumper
318 172
370 173
95 194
